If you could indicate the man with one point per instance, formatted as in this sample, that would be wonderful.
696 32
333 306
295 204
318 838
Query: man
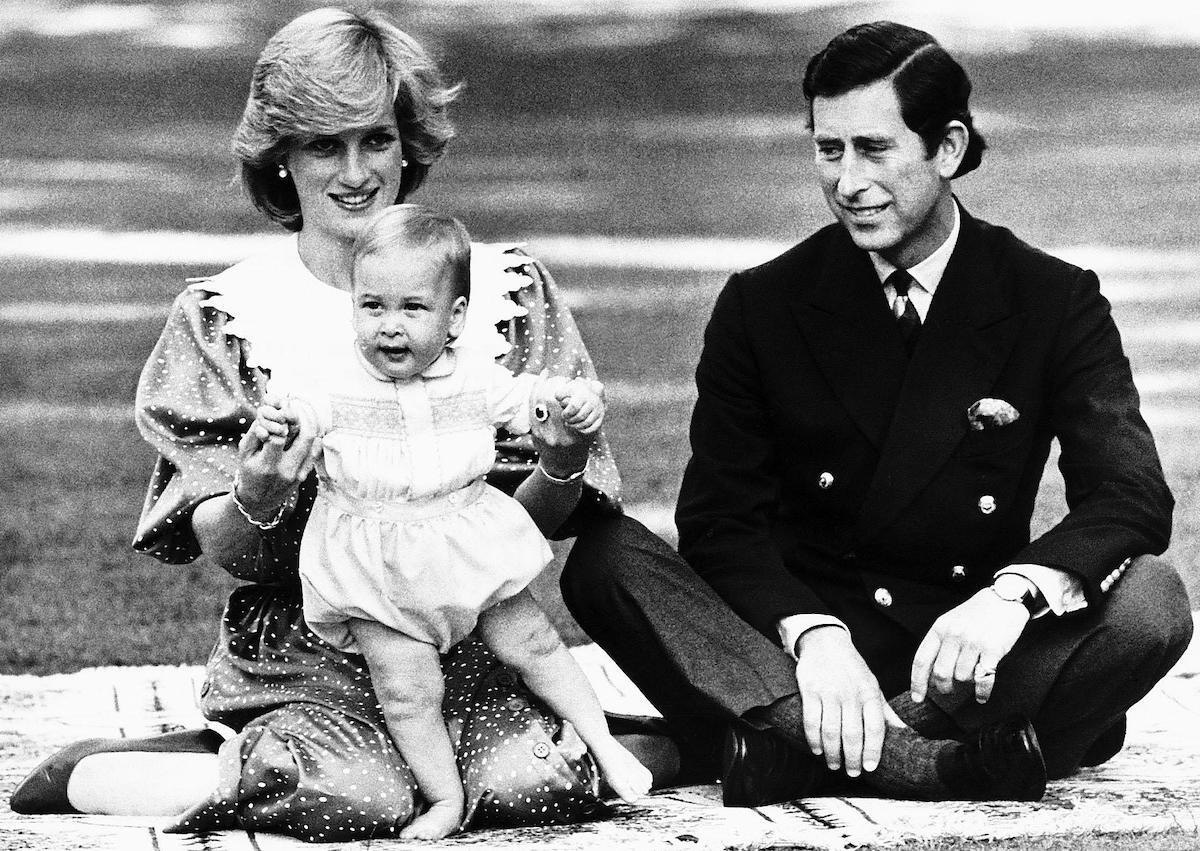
875 411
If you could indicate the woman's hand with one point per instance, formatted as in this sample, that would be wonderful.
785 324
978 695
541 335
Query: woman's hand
275 454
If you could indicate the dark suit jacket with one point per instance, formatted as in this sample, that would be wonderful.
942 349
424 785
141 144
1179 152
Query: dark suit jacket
803 381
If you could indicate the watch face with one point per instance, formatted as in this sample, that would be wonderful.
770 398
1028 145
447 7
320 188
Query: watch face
1017 592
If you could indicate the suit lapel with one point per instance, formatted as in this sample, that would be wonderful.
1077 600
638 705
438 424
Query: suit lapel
853 337
964 343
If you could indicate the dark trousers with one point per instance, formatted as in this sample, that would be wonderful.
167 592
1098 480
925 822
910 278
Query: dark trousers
701 665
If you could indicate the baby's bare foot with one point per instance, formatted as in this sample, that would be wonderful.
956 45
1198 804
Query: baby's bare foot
622 771
437 822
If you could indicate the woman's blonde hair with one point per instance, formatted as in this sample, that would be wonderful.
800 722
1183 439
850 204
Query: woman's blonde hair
324 72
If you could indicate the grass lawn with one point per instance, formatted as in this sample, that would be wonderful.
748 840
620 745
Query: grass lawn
698 132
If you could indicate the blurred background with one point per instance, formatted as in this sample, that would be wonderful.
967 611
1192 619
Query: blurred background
643 149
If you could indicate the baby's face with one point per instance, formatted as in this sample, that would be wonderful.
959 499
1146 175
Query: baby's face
404 311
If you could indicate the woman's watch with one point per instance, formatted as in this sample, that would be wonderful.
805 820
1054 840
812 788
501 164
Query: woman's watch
1017 589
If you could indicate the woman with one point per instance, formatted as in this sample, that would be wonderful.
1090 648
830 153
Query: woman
345 116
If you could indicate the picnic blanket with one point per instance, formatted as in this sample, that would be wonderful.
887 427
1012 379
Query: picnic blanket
1153 785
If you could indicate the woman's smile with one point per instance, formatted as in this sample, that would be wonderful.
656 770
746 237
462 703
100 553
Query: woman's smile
354 201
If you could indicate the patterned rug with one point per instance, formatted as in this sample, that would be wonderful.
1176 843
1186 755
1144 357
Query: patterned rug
1153 785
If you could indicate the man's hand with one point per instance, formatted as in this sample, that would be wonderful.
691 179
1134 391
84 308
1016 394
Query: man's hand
844 711
966 644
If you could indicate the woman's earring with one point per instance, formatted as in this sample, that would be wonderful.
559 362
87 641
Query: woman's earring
282 171
403 163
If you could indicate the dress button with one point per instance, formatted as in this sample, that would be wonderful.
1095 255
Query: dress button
883 597
825 480
987 503
958 572
541 750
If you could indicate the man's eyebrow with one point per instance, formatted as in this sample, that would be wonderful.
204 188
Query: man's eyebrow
868 139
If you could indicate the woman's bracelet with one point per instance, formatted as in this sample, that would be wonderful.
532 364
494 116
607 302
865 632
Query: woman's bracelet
263 526
569 480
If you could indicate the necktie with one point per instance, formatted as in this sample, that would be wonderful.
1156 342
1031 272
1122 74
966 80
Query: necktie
906 315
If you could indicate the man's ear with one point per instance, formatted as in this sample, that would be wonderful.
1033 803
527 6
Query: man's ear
952 148
458 317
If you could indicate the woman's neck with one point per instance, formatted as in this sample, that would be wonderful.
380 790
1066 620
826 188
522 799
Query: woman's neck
328 258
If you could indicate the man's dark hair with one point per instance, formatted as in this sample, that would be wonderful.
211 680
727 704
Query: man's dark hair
932 88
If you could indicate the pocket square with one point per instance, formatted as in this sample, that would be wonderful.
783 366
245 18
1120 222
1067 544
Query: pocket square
991 413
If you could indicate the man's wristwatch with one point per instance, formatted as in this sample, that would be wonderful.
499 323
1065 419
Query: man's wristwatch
1018 589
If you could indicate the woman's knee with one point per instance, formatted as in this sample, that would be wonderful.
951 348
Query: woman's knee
322 777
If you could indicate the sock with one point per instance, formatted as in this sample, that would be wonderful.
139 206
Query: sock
926 718
911 766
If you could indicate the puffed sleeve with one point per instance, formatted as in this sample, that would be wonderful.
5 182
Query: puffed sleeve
195 400
546 337
509 398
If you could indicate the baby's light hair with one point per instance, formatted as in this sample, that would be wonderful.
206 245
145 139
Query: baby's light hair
415 226
328 71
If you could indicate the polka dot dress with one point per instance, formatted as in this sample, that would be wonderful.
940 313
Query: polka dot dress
312 757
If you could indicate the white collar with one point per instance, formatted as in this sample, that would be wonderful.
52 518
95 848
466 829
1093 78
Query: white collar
442 366
928 273
283 311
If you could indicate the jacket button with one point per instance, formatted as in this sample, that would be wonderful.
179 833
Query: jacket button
883 597
849 555
958 572
987 504
825 480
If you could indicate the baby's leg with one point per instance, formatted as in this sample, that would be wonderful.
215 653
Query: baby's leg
522 637
407 675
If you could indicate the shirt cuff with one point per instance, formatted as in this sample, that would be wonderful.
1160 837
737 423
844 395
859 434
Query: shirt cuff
1062 591
794 626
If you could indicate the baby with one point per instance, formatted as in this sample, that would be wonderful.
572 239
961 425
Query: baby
407 549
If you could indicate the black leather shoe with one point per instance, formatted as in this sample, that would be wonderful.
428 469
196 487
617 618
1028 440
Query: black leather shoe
1003 763
1107 746
757 768
45 789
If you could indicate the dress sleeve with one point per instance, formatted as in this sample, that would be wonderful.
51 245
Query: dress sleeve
547 338
195 400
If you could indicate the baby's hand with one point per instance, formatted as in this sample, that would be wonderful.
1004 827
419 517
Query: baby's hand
582 402
272 424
